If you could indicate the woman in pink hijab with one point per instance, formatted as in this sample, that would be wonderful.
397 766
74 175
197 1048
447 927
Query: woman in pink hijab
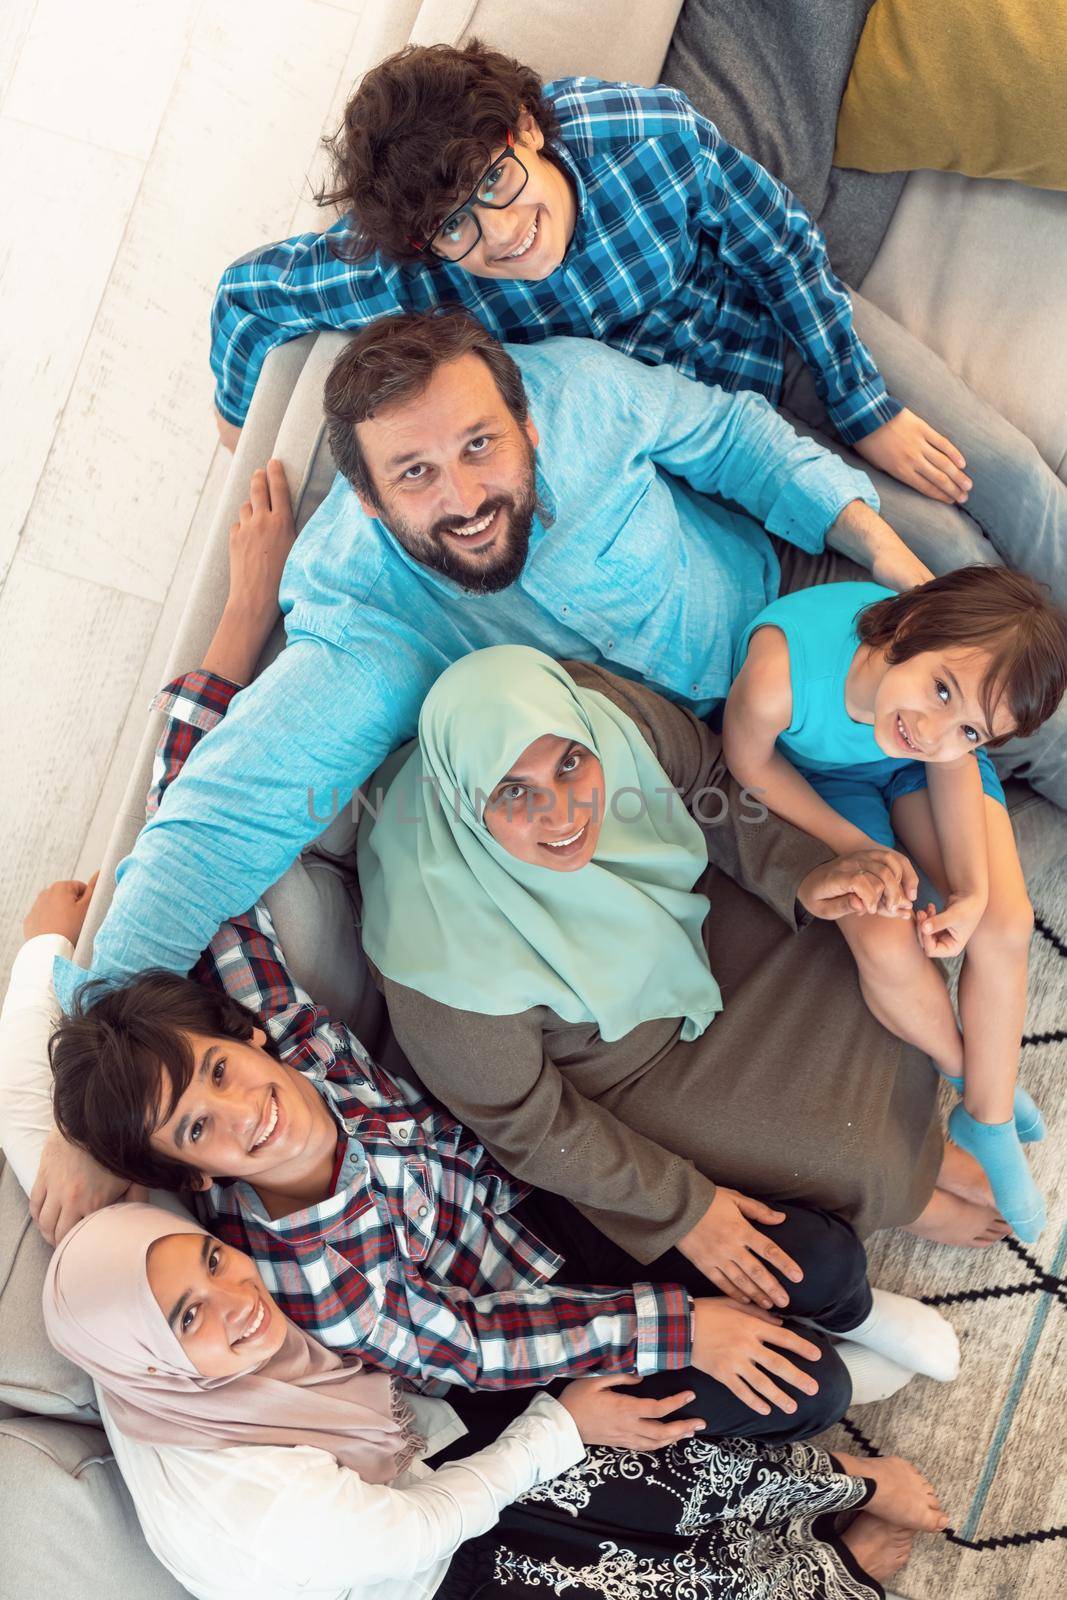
216 1369
201 1378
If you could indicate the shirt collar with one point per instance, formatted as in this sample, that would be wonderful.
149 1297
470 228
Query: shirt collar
581 195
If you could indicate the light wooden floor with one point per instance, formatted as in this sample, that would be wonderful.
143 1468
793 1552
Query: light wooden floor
143 145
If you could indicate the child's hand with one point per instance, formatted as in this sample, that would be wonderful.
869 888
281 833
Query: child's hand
945 933
60 908
908 448
70 1185
260 542
742 1346
875 882
627 1421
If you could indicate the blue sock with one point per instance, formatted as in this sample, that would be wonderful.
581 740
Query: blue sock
1029 1123
995 1146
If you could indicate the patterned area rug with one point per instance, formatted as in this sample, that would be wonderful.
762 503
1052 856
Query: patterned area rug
993 1442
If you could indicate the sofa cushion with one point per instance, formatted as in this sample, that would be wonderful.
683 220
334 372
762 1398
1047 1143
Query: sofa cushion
974 268
971 86
33 1377
70 1530
770 75
543 34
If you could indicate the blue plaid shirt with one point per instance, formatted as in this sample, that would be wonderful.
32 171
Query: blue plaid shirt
685 251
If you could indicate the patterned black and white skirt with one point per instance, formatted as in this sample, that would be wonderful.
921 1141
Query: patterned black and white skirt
701 1520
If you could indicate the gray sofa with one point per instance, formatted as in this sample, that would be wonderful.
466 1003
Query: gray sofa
771 74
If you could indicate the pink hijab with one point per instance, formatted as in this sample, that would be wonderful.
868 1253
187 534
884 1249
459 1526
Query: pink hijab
100 1312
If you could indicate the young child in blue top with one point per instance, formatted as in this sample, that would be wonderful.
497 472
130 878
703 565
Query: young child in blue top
860 715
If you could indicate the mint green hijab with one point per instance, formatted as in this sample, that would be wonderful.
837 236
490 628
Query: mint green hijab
447 910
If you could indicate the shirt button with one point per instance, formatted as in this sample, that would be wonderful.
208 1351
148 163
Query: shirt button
611 644
423 1211
563 610
404 1132
693 688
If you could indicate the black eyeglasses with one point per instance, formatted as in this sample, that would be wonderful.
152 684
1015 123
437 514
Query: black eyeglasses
501 183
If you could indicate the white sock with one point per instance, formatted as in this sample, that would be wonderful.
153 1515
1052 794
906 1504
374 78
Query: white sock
874 1376
911 1334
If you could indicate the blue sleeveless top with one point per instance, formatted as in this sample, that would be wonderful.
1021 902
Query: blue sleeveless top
819 625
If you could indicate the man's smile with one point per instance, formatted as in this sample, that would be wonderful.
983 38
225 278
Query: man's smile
474 535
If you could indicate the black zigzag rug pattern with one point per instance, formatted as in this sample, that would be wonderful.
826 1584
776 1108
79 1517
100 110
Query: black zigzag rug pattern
1057 1035
1041 1282
1053 938
1036 1281
998 1542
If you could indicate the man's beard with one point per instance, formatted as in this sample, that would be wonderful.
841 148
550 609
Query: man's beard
482 571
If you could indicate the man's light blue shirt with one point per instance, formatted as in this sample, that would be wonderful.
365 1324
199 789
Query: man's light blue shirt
630 564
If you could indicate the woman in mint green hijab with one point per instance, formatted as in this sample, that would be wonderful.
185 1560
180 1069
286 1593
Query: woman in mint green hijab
557 876
532 820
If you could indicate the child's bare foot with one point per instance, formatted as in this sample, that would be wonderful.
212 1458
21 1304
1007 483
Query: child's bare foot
961 1174
902 1495
949 1220
879 1548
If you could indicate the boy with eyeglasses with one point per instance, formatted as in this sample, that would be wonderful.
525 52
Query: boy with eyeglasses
619 213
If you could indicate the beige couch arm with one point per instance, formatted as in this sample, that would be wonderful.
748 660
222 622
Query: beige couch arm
259 438
560 38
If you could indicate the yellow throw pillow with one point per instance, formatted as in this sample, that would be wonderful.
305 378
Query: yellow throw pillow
974 86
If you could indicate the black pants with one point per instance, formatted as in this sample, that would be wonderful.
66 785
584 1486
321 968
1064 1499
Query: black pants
834 1292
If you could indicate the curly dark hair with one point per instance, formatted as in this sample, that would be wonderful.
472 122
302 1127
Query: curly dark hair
982 608
121 1062
416 134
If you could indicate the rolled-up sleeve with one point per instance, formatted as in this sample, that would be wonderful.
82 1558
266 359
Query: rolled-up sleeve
738 447
288 755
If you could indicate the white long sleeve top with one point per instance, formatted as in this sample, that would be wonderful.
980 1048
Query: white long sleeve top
266 1522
